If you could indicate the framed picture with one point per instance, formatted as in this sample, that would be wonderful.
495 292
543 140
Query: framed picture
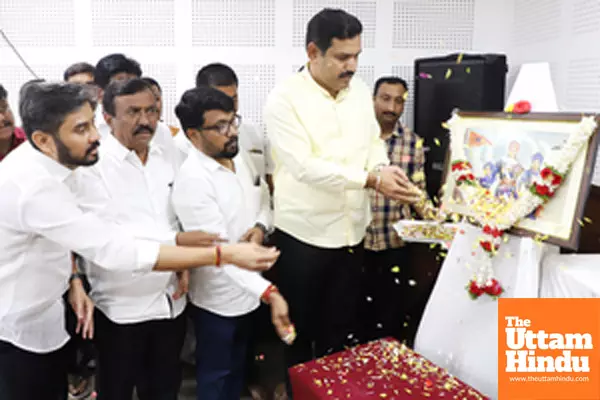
507 152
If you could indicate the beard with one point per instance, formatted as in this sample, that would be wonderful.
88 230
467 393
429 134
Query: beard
65 157
230 149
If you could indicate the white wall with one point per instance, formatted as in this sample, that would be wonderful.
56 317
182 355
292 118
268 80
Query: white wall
261 39
565 33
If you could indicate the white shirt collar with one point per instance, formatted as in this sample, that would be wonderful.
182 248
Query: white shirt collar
309 78
116 149
210 163
55 168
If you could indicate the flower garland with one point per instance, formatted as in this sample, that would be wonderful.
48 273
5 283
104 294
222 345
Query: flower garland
495 224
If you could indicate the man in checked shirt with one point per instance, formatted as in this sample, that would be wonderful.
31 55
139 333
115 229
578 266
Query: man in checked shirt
388 267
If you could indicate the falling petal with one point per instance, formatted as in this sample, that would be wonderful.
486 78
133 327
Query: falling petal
459 58
405 324
419 144
445 125
580 222
437 142
395 269
412 282
588 220
448 73
379 326
351 251
405 96
397 281
369 299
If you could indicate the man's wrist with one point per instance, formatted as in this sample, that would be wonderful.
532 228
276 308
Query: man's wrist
268 294
372 179
76 278
262 227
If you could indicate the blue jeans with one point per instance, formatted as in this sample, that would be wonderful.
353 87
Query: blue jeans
221 354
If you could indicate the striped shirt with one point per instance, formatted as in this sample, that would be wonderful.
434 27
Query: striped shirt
405 149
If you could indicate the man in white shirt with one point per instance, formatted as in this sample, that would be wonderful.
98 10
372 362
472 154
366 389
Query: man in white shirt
118 67
224 78
140 325
41 223
219 190
327 152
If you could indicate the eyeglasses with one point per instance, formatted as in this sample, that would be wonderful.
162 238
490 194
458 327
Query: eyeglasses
224 128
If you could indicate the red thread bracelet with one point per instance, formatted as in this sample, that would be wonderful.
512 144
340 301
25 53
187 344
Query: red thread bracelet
267 293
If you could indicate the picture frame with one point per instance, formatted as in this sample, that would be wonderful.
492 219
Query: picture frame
506 151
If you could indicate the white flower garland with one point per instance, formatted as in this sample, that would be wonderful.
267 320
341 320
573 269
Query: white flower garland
497 216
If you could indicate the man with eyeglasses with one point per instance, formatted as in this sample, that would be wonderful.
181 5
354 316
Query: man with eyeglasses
219 190
140 322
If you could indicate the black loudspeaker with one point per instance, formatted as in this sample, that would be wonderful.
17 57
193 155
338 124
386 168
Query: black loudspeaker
473 82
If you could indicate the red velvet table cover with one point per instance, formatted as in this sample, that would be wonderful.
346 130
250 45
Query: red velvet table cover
384 369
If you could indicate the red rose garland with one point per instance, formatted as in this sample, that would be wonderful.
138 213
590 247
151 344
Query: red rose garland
544 187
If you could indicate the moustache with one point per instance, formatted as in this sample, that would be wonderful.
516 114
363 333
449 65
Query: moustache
93 147
391 114
347 74
143 129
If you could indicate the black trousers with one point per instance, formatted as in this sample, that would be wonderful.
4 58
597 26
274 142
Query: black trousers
322 288
143 355
390 288
30 376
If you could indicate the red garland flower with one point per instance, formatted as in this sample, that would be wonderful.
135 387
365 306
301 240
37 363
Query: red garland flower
487 246
493 288
494 232
475 290
556 180
546 173
522 107
465 178
542 190
460 165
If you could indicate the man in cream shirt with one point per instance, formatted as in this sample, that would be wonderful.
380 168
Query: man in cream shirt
219 190
327 152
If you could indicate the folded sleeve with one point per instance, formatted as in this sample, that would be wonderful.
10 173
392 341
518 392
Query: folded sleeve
51 210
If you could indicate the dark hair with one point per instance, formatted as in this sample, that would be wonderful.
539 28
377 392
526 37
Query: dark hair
392 80
79 68
152 82
216 74
122 88
331 23
195 102
114 64
3 93
44 106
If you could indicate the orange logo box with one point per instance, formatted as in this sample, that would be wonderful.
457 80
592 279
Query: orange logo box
548 349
